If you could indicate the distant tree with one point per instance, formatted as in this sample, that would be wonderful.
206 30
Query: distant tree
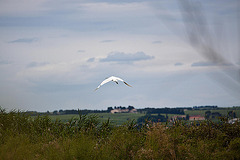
71 111
164 110
61 111
207 114
31 113
166 116
187 117
130 107
109 109
55 112
232 114
216 114
153 118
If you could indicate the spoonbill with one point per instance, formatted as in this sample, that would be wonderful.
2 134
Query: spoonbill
114 79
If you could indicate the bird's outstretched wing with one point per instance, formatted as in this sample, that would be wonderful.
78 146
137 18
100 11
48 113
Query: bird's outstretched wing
103 82
117 78
127 84
112 78
122 81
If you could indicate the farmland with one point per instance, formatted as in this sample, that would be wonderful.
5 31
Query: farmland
120 118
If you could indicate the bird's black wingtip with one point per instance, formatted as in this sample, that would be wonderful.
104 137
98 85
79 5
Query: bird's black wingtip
127 84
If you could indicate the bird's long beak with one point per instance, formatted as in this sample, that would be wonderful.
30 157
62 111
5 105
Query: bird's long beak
96 89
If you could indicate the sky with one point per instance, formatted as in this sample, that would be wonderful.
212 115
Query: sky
53 54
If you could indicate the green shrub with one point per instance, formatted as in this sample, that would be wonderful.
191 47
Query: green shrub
23 137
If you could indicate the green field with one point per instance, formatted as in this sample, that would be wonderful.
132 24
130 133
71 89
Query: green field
118 118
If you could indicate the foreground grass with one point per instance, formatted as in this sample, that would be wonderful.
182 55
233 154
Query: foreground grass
22 137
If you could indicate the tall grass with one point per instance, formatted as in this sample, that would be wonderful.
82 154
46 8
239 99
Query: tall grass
22 137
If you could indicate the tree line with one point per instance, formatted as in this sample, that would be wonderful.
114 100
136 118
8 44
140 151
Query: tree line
162 111
166 110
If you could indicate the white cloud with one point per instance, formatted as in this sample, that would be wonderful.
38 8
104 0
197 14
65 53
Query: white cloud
178 64
91 60
36 64
24 40
107 41
81 51
4 62
157 42
126 57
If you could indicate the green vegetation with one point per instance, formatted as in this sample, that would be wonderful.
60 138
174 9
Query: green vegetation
222 111
62 118
86 137
117 118
120 118
124 114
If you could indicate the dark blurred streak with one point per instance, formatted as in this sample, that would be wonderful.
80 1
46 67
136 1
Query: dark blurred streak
197 31
238 17
200 38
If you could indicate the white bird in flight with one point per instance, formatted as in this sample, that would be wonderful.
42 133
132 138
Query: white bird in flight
114 79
